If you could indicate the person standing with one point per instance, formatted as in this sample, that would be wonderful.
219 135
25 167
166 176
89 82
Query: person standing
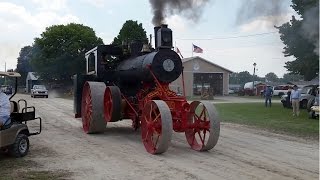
295 100
288 103
268 95
5 108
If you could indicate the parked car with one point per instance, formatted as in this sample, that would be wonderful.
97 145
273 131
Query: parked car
307 93
39 90
230 91
281 90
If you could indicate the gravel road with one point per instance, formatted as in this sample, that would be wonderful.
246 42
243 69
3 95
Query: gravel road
241 153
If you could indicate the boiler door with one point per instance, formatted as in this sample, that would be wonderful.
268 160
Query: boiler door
168 65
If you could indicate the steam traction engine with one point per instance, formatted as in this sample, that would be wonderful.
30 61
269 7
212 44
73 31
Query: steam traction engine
133 83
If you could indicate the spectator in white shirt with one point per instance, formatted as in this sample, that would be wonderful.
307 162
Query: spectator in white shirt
5 108
295 100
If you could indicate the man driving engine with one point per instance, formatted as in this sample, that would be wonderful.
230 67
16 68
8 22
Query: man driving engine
5 108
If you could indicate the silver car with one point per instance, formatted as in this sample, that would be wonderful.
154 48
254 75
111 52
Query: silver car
307 93
39 90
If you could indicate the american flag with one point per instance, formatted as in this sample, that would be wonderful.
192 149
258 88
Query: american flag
178 51
197 49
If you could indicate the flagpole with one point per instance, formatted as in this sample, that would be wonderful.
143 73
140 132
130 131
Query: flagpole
192 89
192 50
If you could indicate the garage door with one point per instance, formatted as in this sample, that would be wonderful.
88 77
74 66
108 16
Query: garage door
208 82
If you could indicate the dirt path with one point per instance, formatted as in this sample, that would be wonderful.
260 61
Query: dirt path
241 153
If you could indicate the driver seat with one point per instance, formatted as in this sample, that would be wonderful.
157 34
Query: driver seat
15 107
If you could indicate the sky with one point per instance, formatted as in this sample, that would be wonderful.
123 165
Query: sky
225 41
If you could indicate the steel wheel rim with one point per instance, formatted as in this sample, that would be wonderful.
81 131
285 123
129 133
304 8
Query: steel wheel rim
156 127
108 105
23 146
150 123
205 135
86 108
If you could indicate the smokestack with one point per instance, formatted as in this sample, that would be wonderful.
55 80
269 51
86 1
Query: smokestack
156 36
192 9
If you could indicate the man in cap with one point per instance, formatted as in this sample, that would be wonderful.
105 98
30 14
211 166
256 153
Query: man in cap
5 108
268 92
295 100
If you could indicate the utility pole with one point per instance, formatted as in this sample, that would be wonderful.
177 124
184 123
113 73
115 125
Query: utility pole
5 70
254 72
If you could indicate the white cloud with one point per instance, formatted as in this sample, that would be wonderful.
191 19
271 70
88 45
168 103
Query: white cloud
177 23
107 39
17 16
97 3
20 26
265 23
55 5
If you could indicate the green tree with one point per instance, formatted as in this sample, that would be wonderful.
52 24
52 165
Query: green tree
272 77
59 52
241 77
131 31
291 77
301 39
23 63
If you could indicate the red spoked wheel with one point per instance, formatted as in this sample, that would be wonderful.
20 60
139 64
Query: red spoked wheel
205 134
112 104
92 107
156 126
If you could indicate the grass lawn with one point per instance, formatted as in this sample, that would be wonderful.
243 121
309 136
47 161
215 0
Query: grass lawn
20 168
276 118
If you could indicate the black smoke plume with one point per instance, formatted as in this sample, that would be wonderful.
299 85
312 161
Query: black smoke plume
191 9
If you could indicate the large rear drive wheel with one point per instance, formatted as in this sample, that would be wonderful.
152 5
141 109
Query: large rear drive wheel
92 107
205 135
112 104
156 127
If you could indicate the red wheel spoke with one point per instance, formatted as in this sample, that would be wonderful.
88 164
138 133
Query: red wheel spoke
146 120
198 118
155 112
202 140
193 137
207 125
157 117
150 113
204 135
202 112
146 137
155 144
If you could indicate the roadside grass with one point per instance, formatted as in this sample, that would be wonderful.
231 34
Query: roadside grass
198 98
22 169
256 97
246 96
276 119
